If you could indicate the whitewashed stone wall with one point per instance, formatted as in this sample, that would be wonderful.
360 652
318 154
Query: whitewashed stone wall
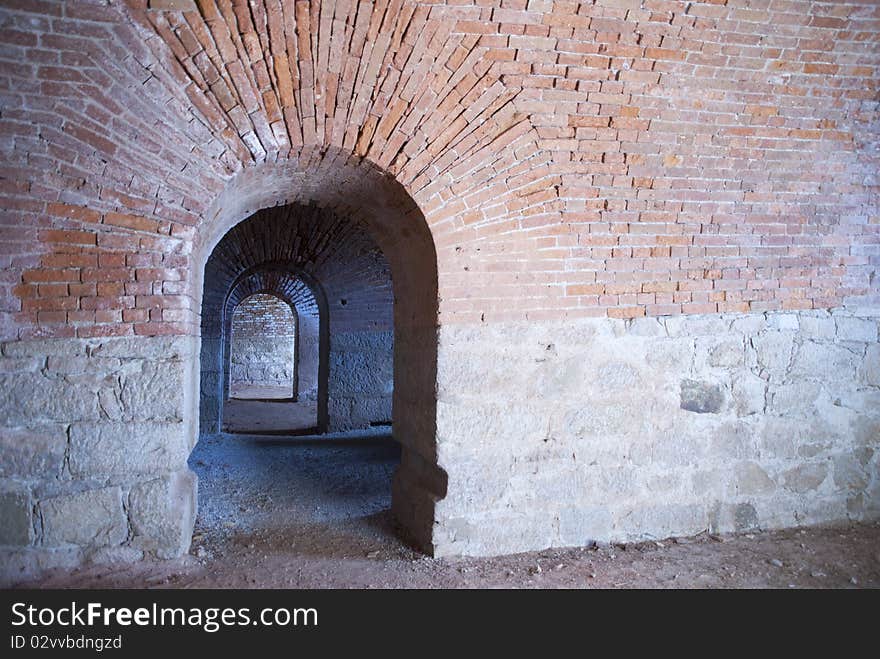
94 438
262 362
558 434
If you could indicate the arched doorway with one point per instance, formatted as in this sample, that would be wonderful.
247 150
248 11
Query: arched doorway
353 236
304 408
263 349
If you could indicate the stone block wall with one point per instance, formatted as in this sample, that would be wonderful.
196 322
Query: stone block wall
558 434
94 438
361 379
308 357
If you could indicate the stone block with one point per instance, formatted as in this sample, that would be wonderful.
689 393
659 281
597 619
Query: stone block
866 430
94 518
618 376
21 364
153 391
752 479
376 342
869 371
360 373
732 440
821 327
727 354
733 517
849 473
579 526
749 394
32 453
471 423
824 361
504 534
655 521
101 450
773 351
695 325
748 325
30 398
153 349
602 420
43 348
16 528
856 329
804 478
798 399
701 397
783 322
163 513
115 555
646 326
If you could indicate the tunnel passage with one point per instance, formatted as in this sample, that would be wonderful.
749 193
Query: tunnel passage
306 411
364 212
329 271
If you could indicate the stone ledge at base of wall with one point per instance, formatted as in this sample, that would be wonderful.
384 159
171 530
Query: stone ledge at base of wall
558 434
94 439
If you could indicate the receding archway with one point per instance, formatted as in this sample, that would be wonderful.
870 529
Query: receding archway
263 348
304 412
366 213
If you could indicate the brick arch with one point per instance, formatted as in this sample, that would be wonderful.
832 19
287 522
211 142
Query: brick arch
406 90
353 202
306 297
281 283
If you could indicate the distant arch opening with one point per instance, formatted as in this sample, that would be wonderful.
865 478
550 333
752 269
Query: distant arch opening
351 235
263 349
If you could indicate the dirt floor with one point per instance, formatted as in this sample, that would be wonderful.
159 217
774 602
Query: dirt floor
260 391
269 416
314 513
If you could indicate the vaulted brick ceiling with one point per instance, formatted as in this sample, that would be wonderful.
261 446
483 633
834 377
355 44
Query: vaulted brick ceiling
295 251
570 158
390 80
278 282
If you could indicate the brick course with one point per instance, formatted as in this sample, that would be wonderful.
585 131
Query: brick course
721 150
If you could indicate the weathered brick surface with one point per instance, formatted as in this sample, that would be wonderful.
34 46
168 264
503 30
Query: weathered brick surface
572 159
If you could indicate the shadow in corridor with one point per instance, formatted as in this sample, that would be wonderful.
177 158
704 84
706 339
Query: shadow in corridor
270 417
324 496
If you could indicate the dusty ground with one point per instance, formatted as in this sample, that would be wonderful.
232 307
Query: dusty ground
313 513
259 391
269 416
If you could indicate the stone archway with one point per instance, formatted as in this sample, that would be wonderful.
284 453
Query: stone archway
343 192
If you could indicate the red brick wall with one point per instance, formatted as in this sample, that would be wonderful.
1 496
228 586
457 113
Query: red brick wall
263 315
617 157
